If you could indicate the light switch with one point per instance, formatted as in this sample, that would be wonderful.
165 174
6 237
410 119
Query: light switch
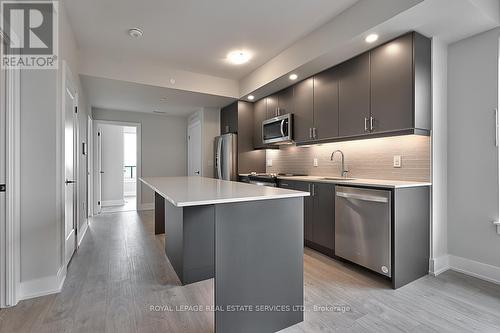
269 162
315 162
397 161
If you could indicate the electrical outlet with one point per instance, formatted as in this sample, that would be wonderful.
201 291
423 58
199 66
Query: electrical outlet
269 162
315 162
397 161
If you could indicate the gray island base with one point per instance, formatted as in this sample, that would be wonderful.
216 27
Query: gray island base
253 249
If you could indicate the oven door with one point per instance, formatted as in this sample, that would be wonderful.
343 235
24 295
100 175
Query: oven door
277 130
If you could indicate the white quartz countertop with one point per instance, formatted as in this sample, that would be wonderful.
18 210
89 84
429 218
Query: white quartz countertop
383 183
197 191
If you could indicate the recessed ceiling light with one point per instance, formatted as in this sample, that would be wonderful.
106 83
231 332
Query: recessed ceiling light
238 57
251 97
293 77
135 32
371 38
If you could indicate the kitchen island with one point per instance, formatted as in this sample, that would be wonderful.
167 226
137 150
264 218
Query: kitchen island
248 238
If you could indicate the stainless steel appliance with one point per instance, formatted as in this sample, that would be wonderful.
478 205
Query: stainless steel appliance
226 157
263 179
363 227
278 130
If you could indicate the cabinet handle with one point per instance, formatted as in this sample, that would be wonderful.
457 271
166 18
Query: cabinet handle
314 133
371 123
366 126
310 133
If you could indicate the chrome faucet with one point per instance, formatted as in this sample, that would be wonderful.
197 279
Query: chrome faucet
343 170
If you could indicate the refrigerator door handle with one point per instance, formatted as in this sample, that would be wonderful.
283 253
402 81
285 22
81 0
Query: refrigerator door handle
218 159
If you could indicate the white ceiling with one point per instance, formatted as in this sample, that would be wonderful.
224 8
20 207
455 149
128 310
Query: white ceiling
127 96
196 35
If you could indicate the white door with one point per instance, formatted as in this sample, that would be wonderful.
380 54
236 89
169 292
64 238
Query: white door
89 167
98 171
3 168
70 173
194 149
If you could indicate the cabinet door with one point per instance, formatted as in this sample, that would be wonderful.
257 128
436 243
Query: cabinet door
260 114
326 104
391 68
272 106
285 101
354 95
323 228
308 210
229 119
303 111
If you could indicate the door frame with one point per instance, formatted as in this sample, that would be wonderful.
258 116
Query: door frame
69 83
90 167
10 239
95 125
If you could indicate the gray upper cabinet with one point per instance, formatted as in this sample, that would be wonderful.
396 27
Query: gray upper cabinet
260 114
280 103
326 104
272 106
391 67
303 111
229 119
354 96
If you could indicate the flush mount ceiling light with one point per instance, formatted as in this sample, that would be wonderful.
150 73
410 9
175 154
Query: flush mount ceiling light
293 77
371 38
135 32
251 97
238 57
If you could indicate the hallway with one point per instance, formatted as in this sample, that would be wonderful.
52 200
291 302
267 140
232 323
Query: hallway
120 271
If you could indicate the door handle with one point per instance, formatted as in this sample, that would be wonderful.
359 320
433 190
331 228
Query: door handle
101 171
282 128
362 197
69 182
197 172
218 159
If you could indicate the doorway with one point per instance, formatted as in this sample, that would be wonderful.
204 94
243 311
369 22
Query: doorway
194 149
117 167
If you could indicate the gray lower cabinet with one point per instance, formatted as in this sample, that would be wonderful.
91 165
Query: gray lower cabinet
319 214
354 96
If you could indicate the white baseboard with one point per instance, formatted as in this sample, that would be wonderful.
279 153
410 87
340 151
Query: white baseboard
147 206
475 268
83 232
107 203
439 265
43 286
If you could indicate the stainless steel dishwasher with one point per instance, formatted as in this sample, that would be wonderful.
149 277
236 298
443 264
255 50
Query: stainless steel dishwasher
363 227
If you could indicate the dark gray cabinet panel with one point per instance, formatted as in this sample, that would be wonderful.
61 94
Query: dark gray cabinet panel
326 104
303 111
308 210
354 95
324 215
229 119
272 106
260 114
391 67
285 101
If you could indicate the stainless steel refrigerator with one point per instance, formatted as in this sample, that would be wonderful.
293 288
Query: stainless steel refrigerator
226 157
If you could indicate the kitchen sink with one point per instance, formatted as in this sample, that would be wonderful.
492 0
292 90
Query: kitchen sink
337 178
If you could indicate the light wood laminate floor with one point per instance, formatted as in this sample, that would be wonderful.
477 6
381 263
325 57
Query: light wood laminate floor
120 271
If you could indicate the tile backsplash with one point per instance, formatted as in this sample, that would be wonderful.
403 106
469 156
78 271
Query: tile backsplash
370 158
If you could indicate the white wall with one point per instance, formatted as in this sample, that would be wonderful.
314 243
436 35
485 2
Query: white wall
472 155
112 164
41 260
163 144
439 232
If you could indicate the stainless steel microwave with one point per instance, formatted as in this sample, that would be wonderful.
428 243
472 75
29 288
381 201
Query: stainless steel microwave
278 130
